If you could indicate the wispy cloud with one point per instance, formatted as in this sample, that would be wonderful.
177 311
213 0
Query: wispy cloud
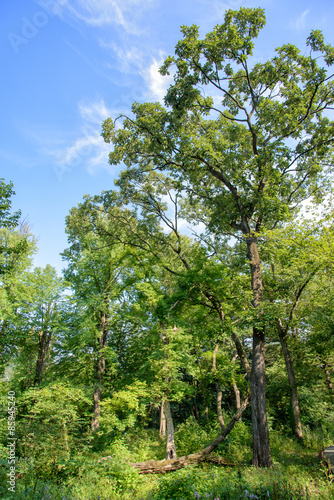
101 13
300 23
89 148
128 56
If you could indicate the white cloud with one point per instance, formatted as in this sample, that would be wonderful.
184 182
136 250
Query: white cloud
300 23
157 84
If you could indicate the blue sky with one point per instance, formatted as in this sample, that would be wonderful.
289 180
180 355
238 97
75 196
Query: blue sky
69 64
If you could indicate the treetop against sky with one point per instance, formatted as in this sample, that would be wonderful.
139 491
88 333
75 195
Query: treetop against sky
70 64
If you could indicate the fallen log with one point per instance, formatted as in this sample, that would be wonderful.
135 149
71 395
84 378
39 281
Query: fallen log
165 466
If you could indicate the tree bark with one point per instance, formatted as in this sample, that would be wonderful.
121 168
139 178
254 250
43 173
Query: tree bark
170 445
261 445
44 341
164 466
219 406
292 382
237 395
219 394
162 429
43 351
235 388
100 369
241 353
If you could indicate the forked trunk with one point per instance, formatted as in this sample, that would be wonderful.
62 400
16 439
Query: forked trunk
292 382
261 446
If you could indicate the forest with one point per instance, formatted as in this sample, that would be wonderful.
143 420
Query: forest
187 350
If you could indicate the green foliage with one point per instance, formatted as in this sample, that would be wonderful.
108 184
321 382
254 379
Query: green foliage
190 436
50 422
122 410
6 218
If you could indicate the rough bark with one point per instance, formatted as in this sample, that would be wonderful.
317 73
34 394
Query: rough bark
162 429
292 382
170 445
261 445
100 369
43 351
165 466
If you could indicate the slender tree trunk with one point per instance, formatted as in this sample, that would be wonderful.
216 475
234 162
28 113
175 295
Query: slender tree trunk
162 429
170 445
237 395
261 445
219 406
235 388
242 355
100 369
219 394
292 382
43 351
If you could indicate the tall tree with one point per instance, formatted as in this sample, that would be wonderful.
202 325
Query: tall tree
247 154
37 320
98 274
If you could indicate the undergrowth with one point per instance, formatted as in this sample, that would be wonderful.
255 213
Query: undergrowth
297 474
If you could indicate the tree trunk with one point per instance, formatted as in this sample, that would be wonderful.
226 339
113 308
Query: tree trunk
261 445
219 393
237 395
235 388
219 406
164 466
162 429
100 368
43 351
241 353
170 445
292 382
